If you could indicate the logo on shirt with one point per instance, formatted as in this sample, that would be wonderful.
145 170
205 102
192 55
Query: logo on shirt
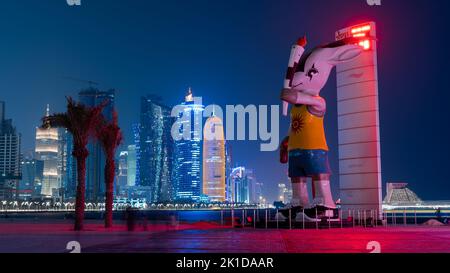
297 123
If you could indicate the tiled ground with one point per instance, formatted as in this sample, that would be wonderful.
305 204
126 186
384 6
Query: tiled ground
204 237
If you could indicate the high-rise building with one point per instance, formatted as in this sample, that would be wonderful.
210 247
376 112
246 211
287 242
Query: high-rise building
228 170
244 186
69 179
50 149
2 113
188 152
137 148
281 192
32 171
122 169
254 187
156 149
10 173
284 193
32 175
288 194
214 160
95 180
131 166
240 185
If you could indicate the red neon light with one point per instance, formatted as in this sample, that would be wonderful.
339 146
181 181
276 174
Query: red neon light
359 35
360 29
365 44
362 32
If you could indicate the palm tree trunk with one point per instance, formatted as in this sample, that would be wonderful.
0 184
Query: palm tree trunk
81 190
109 180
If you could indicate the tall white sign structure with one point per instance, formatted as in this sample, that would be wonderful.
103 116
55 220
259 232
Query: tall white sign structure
358 123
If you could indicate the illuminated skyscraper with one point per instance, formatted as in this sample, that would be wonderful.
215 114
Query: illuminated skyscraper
131 166
244 186
284 193
122 170
9 157
188 158
228 170
95 179
239 185
281 192
31 182
50 150
254 186
137 154
214 160
69 182
156 149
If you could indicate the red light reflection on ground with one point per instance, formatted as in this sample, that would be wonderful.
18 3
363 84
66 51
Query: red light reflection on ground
210 237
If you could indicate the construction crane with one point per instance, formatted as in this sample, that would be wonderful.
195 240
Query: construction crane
89 82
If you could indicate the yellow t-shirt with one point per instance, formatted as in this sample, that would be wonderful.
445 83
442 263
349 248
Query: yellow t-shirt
306 130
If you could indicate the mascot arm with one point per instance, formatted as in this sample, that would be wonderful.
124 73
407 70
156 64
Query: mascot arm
293 96
284 150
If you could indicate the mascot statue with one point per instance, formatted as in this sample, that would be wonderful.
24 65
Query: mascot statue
305 148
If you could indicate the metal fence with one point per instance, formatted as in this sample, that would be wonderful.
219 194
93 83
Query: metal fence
243 217
272 218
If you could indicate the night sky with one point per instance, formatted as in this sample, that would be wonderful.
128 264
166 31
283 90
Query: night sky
233 52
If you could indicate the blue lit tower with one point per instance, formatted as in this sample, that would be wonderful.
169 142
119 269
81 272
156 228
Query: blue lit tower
131 165
136 127
156 149
228 170
95 181
70 173
31 176
189 154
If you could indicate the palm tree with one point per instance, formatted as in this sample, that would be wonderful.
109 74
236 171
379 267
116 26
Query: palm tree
80 121
110 137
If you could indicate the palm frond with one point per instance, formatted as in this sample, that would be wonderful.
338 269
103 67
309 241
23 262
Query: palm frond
83 119
109 134
56 120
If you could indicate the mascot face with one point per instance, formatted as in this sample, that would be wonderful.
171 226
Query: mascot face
314 68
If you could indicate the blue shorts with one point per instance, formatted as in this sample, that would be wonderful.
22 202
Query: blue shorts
308 163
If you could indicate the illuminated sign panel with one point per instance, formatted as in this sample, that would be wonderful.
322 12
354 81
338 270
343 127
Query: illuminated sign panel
358 123
365 33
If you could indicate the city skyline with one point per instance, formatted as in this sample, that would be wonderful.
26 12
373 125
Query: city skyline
175 171
38 67
224 134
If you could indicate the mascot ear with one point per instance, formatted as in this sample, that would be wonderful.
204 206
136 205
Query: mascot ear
344 53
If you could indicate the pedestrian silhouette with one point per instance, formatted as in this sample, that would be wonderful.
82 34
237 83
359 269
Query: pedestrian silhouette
130 217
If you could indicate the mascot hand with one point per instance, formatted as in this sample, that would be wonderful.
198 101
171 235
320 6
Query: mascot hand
284 150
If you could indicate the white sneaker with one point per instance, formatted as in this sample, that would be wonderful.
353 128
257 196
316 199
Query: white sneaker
319 201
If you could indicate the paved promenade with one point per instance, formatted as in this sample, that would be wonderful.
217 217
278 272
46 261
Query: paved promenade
21 236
